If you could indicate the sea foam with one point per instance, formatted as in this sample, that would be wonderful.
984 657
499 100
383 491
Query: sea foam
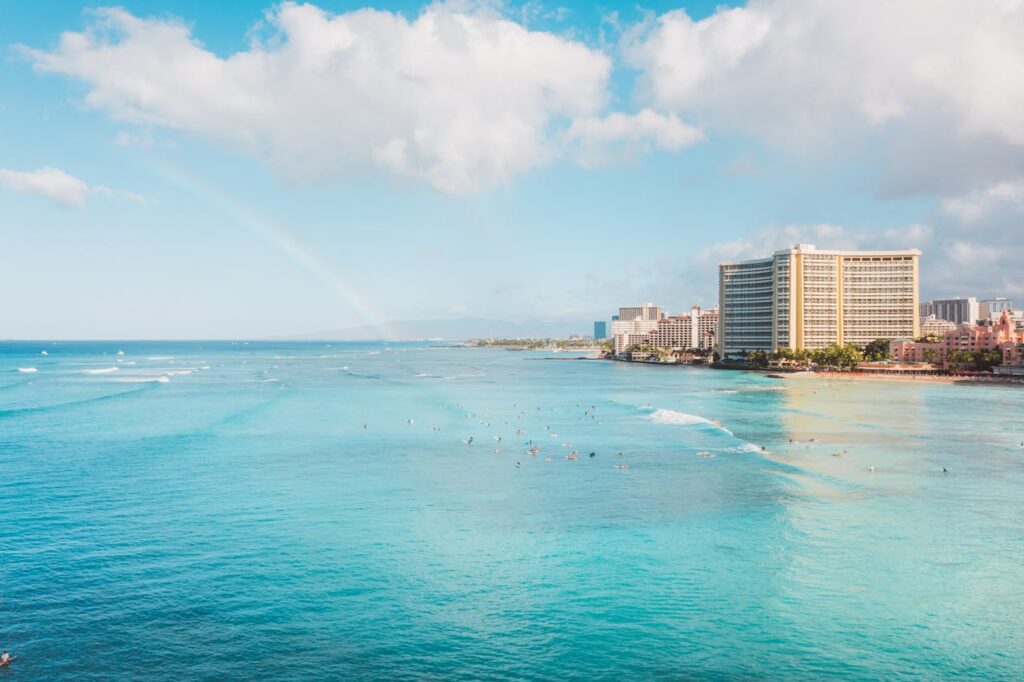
27 370
105 370
663 416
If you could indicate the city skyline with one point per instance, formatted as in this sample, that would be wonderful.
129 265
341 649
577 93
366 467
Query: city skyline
258 187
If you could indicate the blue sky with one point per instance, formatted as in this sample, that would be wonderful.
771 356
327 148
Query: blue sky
249 169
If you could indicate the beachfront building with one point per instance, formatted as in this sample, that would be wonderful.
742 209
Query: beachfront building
626 333
600 330
1001 335
746 305
803 298
693 330
634 324
955 310
932 326
1015 366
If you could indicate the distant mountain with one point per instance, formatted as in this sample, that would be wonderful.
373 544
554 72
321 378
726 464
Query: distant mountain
458 329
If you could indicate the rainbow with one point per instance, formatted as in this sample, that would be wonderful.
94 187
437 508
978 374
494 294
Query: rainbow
285 241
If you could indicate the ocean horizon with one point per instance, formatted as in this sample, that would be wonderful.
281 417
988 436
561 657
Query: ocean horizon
311 510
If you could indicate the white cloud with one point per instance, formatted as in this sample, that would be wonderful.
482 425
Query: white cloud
52 183
462 99
939 83
979 204
602 140
142 140
59 187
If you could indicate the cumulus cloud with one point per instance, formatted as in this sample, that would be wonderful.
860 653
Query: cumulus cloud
1007 196
59 187
462 99
54 184
939 83
599 141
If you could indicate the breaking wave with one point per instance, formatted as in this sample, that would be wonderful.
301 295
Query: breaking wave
663 416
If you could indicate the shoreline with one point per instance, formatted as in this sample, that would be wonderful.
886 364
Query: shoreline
994 380
911 378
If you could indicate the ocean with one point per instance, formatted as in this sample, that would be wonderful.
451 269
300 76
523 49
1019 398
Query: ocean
299 511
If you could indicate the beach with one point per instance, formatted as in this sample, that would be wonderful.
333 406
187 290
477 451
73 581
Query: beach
909 377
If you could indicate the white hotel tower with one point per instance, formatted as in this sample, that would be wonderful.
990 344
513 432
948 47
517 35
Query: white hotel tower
804 298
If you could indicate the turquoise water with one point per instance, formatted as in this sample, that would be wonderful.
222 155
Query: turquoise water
236 520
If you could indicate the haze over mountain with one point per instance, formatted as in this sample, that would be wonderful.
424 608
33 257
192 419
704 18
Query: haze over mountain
458 329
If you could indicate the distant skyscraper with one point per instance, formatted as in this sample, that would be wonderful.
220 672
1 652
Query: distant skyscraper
993 308
600 330
648 312
804 298
955 310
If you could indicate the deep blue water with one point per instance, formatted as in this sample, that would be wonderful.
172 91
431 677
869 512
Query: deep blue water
235 520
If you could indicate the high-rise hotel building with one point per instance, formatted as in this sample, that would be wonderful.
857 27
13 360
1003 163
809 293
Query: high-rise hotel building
805 298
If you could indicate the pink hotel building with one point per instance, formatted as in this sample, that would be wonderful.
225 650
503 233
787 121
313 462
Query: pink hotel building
1001 335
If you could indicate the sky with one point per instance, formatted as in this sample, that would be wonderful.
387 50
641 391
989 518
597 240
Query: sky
251 169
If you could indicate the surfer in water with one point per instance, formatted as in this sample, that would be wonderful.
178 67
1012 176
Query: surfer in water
5 658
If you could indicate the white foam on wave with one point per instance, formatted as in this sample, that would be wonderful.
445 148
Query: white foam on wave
663 416
161 357
162 379
105 370
176 372
27 370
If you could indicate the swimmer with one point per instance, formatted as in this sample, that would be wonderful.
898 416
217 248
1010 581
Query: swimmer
518 464
871 468
593 454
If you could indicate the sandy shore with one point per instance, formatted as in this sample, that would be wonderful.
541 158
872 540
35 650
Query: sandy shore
909 378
